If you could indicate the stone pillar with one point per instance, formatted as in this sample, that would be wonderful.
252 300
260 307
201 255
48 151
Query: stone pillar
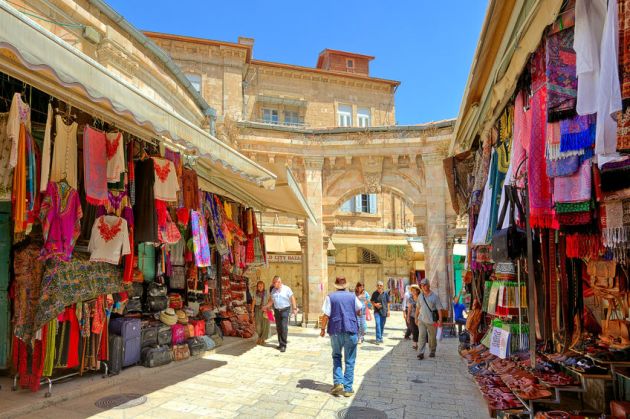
435 244
305 289
317 260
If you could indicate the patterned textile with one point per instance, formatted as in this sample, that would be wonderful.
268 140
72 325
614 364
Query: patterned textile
505 268
574 188
200 239
27 289
539 185
561 77
215 225
624 49
580 245
503 151
6 172
577 132
616 224
564 207
623 131
563 167
575 218
65 283
95 166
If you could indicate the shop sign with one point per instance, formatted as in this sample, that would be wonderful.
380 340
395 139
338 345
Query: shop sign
499 342
284 258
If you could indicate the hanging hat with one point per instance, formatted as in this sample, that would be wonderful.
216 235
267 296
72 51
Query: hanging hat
182 318
168 317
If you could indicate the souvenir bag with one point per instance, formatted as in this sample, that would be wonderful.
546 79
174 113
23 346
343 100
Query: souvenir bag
169 233
156 297
181 352
509 243
270 316
615 330
178 278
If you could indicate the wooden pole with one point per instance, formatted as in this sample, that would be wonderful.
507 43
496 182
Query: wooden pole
531 284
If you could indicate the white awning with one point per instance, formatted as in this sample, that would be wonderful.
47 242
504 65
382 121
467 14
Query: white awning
36 56
282 244
417 247
286 197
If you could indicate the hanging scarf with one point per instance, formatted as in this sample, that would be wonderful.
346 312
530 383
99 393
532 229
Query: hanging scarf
565 207
624 49
616 224
574 188
503 151
561 77
580 245
577 132
539 186
575 218
200 239
95 166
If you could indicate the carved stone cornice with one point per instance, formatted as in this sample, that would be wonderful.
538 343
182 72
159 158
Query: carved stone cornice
313 163
372 170
109 53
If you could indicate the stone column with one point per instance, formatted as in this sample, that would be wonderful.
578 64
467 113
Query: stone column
435 245
317 261
305 289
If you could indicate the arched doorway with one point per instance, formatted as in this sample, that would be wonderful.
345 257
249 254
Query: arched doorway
356 264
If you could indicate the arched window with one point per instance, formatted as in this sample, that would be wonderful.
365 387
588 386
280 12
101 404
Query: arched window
364 203
368 257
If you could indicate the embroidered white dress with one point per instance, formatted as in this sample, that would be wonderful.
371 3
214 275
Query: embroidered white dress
166 185
109 240
115 156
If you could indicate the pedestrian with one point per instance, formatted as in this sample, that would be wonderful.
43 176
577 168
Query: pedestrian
340 311
428 318
411 313
459 312
380 300
283 302
259 314
364 298
405 304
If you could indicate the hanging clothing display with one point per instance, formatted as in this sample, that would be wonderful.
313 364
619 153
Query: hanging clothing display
166 185
95 162
6 172
60 215
200 239
46 150
64 158
560 75
144 213
190 189
109 240
116 165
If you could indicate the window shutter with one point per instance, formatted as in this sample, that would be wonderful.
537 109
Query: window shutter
357 204
372 203
347 206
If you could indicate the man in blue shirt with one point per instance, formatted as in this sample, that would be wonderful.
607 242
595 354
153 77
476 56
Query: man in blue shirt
340 310
282 300
458 312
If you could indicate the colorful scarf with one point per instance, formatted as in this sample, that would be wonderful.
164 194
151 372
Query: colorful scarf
623 131
624 49
574 188
577 133
580 245
539 185
616 224
566 207
95 166
561 77
563 167
575 218
200 239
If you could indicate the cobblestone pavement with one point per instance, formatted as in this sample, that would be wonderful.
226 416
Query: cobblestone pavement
258 382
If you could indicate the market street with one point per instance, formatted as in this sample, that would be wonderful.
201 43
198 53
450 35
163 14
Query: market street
248 381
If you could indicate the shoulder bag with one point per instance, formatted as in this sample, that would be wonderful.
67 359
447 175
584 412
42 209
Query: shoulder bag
509 243
434 313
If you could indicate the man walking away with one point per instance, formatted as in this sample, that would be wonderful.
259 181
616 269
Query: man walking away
428 318
340 310
283 302
380 301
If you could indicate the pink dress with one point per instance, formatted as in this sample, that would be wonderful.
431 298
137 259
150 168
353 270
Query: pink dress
60 215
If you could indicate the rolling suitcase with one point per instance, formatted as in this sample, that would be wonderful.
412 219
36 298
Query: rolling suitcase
126 327
156 356
131 351
115 361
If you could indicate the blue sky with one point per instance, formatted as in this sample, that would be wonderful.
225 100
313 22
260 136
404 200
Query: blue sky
427 45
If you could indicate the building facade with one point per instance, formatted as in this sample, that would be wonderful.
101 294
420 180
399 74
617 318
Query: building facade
371 184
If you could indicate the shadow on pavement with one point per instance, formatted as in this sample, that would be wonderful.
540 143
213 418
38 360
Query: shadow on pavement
314 385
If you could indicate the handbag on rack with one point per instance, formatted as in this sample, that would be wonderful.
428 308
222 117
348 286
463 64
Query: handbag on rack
147 261
509 243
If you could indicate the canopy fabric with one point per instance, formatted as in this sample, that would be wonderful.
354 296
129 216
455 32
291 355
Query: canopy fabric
417 247
282 244
36 56
378 240
286 197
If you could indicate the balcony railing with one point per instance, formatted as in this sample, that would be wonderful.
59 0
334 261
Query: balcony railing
279 123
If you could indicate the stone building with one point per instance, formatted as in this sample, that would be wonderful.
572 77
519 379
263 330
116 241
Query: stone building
372 185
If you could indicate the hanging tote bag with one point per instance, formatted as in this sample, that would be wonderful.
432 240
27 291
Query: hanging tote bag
509 243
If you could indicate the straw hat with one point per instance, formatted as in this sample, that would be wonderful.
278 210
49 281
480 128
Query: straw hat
168 317
182 318
340 283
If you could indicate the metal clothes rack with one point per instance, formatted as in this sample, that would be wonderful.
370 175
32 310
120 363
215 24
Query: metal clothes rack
50 381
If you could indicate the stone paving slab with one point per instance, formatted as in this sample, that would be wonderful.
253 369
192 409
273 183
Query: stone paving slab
247 381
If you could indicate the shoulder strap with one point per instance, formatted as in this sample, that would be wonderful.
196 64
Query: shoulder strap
506 201
425 303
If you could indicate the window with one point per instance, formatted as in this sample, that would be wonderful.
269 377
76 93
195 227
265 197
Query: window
344 115
368 257
270 116
291 118
350 64
363 117
364 203
195 80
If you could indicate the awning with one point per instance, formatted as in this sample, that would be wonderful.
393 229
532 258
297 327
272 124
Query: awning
373 240
36 56
417 247
282 244
286 197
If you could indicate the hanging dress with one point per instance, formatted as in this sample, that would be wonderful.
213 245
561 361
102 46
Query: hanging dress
64 160
144 213
200 239
115 156
60 214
